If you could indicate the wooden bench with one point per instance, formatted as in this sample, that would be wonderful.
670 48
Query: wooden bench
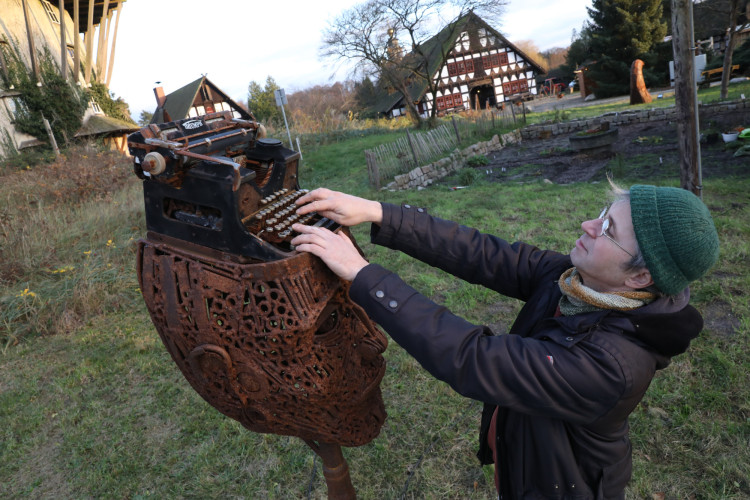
709 74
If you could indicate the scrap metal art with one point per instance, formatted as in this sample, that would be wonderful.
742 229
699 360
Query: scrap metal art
263 333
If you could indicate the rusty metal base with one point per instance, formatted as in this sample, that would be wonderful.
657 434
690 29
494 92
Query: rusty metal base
277 346
335 471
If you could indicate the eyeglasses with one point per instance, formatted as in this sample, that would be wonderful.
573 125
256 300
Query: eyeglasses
605 226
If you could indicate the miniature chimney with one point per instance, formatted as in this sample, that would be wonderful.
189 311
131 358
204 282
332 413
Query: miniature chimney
160 97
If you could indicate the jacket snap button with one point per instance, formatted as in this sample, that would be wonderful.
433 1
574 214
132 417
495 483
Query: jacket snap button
393 304
569 339
379 294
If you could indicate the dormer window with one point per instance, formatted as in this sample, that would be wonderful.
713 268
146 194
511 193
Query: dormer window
51 12
95 107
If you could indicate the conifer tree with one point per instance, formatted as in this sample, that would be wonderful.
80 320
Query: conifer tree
622 31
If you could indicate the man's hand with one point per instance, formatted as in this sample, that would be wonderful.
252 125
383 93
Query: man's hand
344 209
335 249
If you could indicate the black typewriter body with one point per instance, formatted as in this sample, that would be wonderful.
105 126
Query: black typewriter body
217 182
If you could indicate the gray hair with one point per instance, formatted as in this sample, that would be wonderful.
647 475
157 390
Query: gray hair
637 261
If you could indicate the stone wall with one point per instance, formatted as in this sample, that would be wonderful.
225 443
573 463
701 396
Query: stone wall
546 130
426 175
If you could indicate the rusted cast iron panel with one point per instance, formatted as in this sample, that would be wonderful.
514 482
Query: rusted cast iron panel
265 334
276 346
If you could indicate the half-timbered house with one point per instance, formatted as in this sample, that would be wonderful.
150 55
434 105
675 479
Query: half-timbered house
472 65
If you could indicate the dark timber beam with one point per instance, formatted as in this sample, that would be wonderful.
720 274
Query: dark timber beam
686 97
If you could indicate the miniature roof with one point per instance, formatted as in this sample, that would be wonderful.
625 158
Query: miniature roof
178 103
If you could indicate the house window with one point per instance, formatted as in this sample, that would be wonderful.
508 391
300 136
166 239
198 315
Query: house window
71 51
51 13
440 103
95 107
503 59
510 88
457 101
461 67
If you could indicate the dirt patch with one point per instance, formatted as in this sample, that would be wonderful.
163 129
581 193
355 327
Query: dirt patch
643 151
719 319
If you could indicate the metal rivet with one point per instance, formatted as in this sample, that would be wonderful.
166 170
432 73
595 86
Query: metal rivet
393 304
379 294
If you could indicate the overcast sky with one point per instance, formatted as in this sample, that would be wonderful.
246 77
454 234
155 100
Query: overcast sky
235 42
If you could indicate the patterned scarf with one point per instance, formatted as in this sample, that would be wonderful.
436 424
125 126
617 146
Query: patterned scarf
578 298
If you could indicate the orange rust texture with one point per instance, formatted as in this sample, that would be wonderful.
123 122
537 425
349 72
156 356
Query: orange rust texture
277 346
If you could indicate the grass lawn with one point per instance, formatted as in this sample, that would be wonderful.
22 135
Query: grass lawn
92 406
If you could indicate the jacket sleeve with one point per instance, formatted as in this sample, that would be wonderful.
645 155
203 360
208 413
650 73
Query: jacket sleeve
578 383
510 269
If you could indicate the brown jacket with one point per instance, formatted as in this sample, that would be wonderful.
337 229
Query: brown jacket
564 385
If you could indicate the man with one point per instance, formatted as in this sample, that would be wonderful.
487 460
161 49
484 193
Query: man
595 327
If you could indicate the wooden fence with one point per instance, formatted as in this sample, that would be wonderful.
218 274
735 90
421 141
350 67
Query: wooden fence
422 148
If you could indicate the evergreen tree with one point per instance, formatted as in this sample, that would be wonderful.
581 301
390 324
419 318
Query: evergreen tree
366 96
579 51
622 31
262 102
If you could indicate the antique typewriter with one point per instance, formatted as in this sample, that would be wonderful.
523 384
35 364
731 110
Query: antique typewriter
218 182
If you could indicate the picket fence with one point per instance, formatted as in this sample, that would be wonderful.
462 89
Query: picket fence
388 160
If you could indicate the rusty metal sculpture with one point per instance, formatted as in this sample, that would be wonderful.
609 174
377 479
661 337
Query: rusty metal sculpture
264 334
639 94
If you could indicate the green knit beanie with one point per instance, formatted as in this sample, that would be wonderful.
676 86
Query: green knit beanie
675 233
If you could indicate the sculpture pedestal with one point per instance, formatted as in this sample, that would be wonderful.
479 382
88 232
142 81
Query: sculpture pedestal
277 346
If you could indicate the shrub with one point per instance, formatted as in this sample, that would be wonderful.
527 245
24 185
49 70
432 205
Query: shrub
478 161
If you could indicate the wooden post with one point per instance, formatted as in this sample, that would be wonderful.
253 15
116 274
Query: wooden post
686 96
372 169
411 146
114 44
89 37
76 42
734 8
455 128
513 112
63 42
2 64
101 52
52 140
30 37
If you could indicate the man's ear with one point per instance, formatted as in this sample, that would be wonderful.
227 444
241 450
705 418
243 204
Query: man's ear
639 279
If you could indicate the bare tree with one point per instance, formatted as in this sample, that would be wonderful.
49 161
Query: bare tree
734 12
370 34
